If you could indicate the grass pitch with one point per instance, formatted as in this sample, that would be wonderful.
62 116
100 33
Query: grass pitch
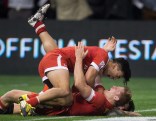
143 90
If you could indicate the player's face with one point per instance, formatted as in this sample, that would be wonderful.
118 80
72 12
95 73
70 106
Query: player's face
115 72
116 90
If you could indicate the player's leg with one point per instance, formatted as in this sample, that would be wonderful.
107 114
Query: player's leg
61 89
7 100
48 42
53 70
12 97
40 29
59 101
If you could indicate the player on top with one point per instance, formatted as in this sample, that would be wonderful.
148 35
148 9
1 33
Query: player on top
55 66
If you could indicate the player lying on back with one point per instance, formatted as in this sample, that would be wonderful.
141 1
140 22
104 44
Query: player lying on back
9 105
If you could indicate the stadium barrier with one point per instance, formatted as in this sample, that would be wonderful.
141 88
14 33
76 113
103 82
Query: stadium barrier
21 49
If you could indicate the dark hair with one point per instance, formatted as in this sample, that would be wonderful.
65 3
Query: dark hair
131 106
124 67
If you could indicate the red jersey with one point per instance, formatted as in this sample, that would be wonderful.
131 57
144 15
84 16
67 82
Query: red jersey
96 57
64 58
97 105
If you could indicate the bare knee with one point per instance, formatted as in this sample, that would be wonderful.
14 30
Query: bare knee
9 97
66 92
11 94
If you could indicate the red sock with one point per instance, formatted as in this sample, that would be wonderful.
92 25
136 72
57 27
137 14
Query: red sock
32 95
39 27
33 101
2 105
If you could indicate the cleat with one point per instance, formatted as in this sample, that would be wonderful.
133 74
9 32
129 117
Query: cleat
23 97
26 109
39 15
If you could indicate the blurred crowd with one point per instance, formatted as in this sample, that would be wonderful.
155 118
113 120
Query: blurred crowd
81 9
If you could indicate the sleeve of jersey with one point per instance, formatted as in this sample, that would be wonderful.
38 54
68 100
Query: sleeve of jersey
96 99
100 59
96 87
91 96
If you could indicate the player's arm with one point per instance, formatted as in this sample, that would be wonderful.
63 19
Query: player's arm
98 87
90 76
132 113
119 112
94 71
79 78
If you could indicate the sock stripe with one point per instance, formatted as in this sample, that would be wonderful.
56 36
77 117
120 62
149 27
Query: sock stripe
33 101
39 27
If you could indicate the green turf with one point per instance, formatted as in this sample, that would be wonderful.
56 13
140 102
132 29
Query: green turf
143 89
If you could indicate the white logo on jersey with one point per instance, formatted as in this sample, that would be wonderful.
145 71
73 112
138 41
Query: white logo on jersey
101 65
85 67
65 65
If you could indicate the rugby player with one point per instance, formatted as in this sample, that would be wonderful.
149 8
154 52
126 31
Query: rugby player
9 105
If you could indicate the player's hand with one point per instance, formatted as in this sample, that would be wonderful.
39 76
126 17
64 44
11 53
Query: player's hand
79 51
110 44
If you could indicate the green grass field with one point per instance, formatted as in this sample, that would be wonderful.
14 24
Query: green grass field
143 89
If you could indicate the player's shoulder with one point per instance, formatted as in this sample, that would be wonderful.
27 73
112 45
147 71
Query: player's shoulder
67 48
99 98
99 94
98 101
93 47
96 49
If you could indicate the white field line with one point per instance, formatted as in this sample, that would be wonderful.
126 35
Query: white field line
123 119
148 110
102 119
48 118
